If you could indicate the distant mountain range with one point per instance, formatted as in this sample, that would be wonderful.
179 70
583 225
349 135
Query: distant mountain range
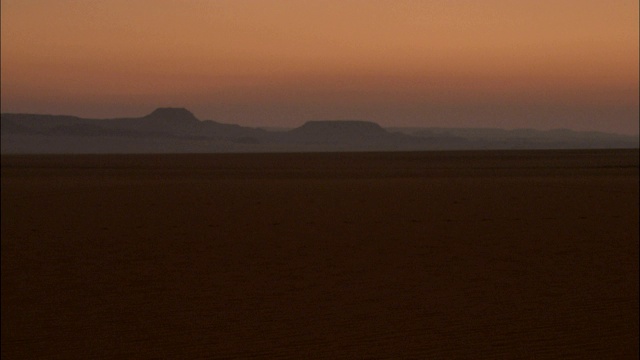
177 130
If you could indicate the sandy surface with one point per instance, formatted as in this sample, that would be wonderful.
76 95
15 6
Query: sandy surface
403 255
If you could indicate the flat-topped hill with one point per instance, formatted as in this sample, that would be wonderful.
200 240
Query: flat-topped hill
342 126
172 114
178 130
341 131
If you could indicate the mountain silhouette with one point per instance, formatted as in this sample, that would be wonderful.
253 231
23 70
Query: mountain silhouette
11 127
326 131
175 129
174 120
172 115
348 135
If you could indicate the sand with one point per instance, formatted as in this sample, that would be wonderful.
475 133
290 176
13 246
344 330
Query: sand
495 255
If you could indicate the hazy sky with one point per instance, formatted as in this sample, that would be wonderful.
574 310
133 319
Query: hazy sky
506 63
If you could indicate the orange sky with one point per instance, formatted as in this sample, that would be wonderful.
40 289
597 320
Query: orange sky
506 63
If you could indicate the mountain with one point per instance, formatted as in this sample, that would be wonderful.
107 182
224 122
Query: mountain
348 135
163 130
177 130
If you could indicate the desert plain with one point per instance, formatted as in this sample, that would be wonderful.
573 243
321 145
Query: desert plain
476 255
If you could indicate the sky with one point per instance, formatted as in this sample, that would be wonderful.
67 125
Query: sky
539 64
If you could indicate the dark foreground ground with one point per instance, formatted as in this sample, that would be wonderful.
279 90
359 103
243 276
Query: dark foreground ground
402 255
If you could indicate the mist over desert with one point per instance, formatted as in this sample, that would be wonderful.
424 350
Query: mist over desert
464 254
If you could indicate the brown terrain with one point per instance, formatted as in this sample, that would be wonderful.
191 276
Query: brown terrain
493 255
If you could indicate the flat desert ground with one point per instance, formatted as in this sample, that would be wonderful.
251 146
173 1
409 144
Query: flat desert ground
493 255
